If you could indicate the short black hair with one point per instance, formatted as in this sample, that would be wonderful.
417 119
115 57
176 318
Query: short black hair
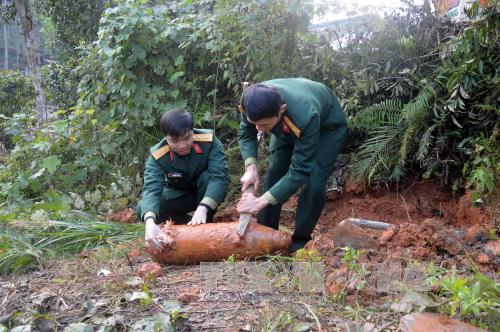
260 101
176 122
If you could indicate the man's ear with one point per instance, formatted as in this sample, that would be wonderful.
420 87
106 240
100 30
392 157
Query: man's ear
282 109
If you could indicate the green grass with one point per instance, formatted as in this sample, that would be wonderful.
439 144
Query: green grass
26 244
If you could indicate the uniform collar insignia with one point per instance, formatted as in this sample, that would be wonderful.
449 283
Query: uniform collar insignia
160 152
197 148
293 127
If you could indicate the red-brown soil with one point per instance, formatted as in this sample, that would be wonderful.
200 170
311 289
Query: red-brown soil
412 204
429 223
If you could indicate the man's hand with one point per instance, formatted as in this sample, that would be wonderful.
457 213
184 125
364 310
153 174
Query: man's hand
200 216
251 176
153 234
251 204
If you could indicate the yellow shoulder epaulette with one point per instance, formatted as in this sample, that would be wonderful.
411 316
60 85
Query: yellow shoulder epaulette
161 152
292 126
203 137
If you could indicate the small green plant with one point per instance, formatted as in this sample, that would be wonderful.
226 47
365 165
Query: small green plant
492 234
276 322
476 298
435 274
481 170
354 269
351 258
146 300
308 255
231 259
177 315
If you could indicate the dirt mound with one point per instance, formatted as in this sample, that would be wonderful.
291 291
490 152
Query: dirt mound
429 222
411 204
429 237
227 215
398 205
467 214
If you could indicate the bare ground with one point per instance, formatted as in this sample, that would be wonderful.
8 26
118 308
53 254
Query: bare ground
430 224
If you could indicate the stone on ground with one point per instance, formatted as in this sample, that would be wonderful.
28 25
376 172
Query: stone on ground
348 234
426 321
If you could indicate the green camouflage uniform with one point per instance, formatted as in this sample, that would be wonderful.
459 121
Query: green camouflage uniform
304 146
175 185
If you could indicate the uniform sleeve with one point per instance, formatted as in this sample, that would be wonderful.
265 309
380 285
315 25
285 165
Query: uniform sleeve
154 182
303 158
218 172
248 141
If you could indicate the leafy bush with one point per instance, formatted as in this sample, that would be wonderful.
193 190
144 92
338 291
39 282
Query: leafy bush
72 23
475 297
146 60
151 58
61 82
70 171
455 109
17 94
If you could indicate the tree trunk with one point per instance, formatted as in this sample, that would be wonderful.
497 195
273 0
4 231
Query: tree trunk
26 22
6 47
5 40
217 241
19 47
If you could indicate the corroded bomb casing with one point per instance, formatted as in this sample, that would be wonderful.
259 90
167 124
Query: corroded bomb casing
217 241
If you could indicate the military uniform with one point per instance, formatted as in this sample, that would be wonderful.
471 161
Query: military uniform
304 146
175 185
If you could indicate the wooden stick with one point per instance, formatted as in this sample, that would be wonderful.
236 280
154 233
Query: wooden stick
369 223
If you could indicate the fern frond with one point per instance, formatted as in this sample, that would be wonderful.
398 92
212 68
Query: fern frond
416 110
425 142
385 113
377 151
392 128
397 172
405 144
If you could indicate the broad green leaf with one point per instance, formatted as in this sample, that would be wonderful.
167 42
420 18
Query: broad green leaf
52 163
107 148
179 60
175 76
60 125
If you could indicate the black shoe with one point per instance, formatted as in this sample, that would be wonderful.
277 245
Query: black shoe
296 245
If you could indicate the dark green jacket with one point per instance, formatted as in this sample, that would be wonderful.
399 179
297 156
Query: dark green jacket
311 108
170 175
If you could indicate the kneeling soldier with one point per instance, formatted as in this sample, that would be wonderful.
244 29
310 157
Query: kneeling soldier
186 171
